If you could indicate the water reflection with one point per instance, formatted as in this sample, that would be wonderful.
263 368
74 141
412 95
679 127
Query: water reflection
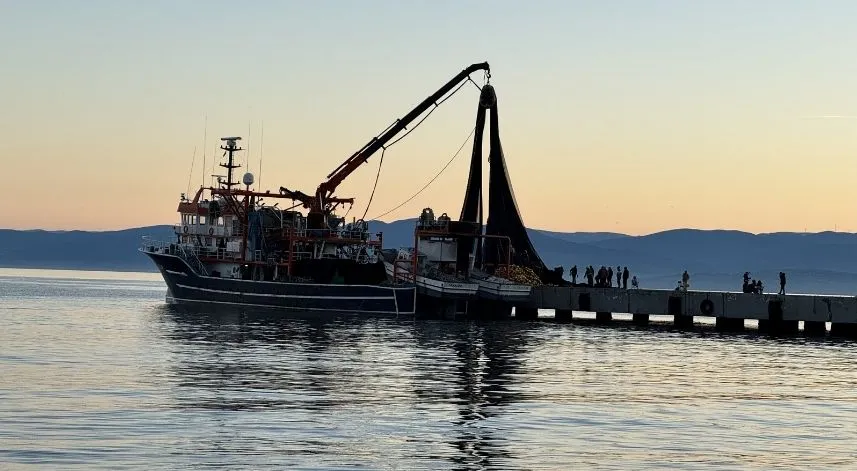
487 358
234 362
113 380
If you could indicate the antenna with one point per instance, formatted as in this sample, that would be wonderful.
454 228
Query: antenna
190 174
214 165
204 141
261 148
249 134
230 148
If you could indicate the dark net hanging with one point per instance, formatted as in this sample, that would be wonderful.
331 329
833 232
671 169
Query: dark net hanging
471 209
504 218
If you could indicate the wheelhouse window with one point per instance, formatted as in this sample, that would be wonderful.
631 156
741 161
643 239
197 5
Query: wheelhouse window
202 220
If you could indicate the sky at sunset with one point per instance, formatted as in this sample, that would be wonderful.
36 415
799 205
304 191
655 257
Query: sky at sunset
628 116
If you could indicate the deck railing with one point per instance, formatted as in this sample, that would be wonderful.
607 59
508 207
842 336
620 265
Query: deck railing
187 254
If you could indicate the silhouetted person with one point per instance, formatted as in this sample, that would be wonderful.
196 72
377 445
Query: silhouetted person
685 280
634 283
618 276
625 275
759 288
610 277
782 283
590 274
746 277
573 272
754 287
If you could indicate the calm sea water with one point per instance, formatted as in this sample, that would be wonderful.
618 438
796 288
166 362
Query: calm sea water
95 372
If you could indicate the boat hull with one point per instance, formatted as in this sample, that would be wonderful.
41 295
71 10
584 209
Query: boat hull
440 289
185 287
503 292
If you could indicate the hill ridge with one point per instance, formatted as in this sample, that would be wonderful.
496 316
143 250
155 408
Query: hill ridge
823 262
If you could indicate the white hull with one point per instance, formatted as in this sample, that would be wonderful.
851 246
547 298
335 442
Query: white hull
438 288
506 291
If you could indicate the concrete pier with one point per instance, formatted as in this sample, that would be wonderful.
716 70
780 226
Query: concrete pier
776 314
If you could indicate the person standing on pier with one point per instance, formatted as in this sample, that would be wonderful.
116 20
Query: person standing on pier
590 275
625 278
634 283
610 277
573 273
685 280
782 283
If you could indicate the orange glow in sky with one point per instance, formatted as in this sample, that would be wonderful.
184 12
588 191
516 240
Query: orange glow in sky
615 116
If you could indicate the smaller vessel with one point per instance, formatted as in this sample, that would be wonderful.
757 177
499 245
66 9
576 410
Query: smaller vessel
445 266
500 289
440 260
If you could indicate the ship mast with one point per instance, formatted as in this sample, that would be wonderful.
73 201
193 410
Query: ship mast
230 149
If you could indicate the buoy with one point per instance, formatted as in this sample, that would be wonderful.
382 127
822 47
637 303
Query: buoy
210 231
185 229
706 306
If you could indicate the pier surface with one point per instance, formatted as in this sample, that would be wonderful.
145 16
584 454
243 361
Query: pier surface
773 311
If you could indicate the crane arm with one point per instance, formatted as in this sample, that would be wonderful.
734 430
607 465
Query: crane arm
307 200
326 189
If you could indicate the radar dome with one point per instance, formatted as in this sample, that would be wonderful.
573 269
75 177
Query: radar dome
248 179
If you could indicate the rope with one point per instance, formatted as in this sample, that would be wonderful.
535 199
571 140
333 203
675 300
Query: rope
430 181
375 186
436 106
384 149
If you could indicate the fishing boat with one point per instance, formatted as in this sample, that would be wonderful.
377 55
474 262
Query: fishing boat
237 247
438 264
445 263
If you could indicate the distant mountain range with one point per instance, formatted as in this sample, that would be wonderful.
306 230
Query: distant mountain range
823 262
